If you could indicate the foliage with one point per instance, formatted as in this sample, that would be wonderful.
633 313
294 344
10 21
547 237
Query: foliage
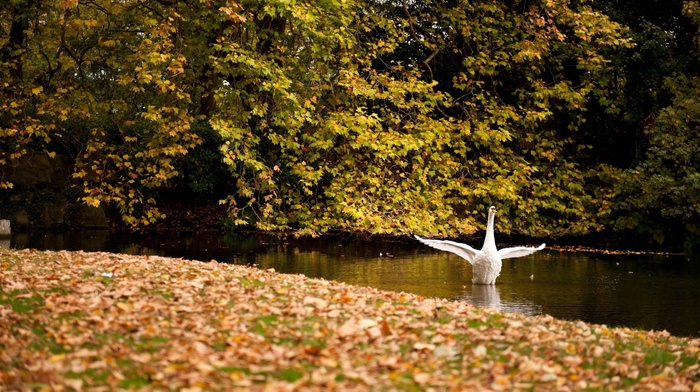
109 71
527 74
664 47
88 321
202 174
378 117
387 148
658 198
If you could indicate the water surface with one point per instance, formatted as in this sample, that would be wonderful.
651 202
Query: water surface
641 291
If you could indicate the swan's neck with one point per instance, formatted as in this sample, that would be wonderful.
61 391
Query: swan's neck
490 240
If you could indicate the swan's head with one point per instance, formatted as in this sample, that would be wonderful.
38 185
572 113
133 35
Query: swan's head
489 223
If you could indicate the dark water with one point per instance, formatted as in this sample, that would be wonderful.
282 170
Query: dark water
648 292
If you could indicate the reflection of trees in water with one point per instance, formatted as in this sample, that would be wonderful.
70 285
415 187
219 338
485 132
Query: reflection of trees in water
428 275
87 240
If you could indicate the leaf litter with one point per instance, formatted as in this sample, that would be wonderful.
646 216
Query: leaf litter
101 321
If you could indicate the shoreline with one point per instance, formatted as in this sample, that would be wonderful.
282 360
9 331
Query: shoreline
563 245
101 320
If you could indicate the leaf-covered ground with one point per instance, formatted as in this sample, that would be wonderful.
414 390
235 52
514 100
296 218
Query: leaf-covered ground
100 321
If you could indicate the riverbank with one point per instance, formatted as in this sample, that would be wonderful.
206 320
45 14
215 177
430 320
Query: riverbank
209 216
75 320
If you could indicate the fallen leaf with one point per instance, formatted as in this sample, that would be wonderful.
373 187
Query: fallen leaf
480 351
216 326
421 378
348 328
424 346
315 302
366 323
447 352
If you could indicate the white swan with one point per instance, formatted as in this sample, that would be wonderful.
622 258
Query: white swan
486 263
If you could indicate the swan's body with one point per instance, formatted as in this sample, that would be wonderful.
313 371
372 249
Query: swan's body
486 263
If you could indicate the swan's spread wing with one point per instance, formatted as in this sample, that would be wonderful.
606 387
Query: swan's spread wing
462 250
518 251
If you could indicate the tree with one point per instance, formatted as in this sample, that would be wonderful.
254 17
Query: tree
101 82
659 197
663 37
522 75
380 117
402 147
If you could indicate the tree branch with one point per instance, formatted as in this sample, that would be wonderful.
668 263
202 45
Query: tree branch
415 37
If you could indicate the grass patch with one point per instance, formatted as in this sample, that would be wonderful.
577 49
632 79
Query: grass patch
162 293
71 315
134 382
443 318
43 342
233 369
658 356
95 375
21 302
250 282
151 344
263 322
60 290
688 361
475 324
290 375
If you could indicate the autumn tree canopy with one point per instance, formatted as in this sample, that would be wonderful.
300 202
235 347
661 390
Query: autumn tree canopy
381 117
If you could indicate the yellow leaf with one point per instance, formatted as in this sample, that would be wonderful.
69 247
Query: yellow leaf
37 90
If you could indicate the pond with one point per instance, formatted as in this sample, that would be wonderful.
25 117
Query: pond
641 291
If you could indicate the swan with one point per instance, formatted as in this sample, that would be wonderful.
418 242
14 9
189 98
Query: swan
486 263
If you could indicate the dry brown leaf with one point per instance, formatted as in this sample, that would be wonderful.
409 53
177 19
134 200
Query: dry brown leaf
181 324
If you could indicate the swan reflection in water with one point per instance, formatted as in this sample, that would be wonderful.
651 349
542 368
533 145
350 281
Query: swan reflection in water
490 297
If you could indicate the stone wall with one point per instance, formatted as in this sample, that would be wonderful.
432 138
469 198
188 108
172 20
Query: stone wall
36 168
